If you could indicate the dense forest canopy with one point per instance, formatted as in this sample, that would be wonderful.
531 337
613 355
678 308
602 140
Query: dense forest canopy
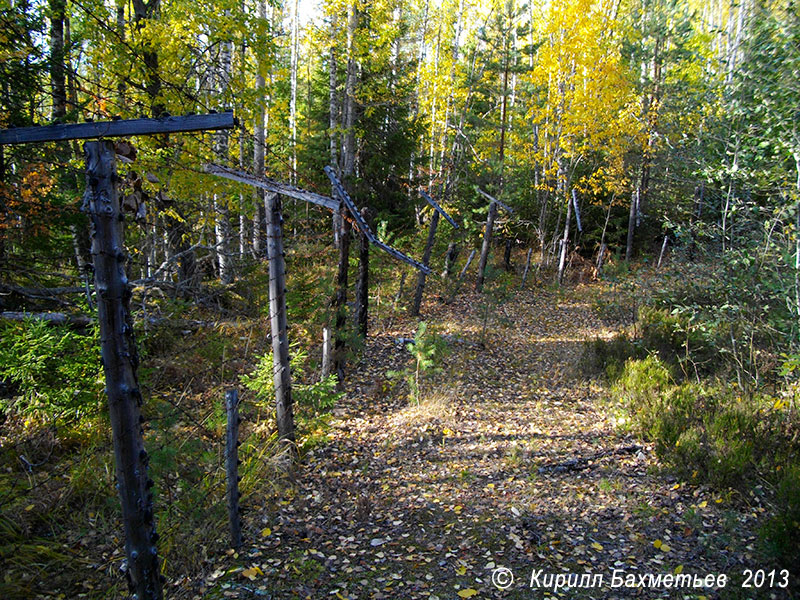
688 108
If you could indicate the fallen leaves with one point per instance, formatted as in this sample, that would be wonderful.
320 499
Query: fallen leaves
424 502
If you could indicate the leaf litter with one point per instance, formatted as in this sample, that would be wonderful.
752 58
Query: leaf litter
509 460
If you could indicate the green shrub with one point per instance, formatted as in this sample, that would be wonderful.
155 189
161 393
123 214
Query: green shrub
427 351
56 370
781 532
609 356
311 399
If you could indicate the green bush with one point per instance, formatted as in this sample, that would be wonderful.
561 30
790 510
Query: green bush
311 399
609 356
706 432
781 532
56 370
427 351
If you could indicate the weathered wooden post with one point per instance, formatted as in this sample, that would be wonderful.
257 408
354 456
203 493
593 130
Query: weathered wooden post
232 465
487 243
340 298
120 361
278 321
663 249
487 237
527 267
426 256
361 313
450 259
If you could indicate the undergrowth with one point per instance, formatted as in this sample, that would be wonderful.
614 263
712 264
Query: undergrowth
707 373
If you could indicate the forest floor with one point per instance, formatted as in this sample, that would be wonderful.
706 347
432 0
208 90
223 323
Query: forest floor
511 460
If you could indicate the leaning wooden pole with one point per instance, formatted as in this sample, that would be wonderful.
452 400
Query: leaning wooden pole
278 321
120 361
486 247
527 267
426 258
232 465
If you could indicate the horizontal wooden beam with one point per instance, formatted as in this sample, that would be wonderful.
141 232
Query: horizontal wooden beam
126 127
273 186
364 228
505 207
438 208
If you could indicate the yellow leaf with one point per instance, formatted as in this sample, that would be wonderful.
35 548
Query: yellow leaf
266 532
29 507
252 573
596 546
461 570
657 544
467 593
665 548
457 509
678 570
703 504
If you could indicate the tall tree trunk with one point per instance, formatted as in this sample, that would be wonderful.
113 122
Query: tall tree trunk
259 143
57 70
631 224
222 226
293 89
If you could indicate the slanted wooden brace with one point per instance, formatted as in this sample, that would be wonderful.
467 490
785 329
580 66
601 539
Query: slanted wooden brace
118 346
487 236
277 269
426 256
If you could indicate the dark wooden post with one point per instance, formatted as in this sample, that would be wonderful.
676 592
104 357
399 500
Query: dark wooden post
120 361
426 257
278 321
487 243
232 465
450 259
340 299
361 314
527 267
507 255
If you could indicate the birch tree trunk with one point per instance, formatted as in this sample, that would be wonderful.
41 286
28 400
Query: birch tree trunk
222 226
562 261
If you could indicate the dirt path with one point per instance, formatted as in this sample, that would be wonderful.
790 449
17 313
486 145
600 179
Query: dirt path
511 461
